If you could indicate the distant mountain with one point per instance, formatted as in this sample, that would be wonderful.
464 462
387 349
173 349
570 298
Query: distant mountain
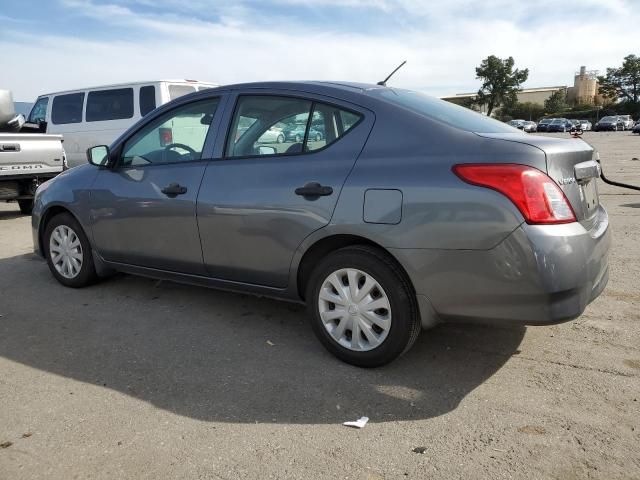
23 108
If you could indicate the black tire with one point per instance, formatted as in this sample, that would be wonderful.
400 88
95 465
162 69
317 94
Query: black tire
87 274
405 325
26 206
298 139
280 139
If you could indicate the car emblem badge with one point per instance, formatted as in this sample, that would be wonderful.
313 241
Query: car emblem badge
566 181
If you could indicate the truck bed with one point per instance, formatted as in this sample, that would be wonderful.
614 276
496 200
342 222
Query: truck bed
25 155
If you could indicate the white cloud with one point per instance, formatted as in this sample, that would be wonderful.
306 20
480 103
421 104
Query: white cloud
441 57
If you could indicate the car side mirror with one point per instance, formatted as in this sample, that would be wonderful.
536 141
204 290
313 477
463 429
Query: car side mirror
266 150
98 156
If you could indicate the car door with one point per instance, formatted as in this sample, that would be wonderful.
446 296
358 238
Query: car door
144 208
259 201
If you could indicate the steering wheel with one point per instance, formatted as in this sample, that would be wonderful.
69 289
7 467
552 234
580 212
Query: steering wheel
182 146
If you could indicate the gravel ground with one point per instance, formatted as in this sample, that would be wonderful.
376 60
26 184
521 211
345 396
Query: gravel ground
138 379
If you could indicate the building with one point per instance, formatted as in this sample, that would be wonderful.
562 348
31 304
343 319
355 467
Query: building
584 91
533 95
585 88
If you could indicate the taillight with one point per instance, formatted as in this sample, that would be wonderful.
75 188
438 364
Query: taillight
537 196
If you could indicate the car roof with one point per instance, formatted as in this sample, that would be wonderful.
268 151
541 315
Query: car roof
304 84
357 93
129 84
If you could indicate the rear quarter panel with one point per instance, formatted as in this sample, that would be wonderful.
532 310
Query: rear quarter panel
415 155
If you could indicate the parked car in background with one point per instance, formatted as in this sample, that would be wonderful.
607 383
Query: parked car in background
609 123
273 135
585 125
544 124
530 127
627 121
519 124
296 133
636 127
26 159
94 116
559 125
374 228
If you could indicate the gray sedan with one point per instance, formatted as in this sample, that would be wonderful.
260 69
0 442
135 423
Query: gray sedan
411 211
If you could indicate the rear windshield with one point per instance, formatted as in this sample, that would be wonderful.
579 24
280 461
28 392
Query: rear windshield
442 111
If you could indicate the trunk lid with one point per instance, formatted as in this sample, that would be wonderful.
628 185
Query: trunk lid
571 164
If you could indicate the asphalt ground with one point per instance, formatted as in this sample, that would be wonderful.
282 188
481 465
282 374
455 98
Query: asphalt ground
134 378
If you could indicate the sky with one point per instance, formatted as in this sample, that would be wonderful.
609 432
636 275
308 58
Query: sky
51 45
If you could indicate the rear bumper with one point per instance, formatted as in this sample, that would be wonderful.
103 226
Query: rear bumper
542 274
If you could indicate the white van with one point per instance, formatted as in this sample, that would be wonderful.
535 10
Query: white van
97 116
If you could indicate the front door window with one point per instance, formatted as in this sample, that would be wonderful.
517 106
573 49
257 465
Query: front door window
177 136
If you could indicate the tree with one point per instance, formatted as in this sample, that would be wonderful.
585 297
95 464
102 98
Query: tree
622 82
525 111
500 82
557 102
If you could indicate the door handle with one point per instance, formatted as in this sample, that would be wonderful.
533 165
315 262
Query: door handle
174 189
314 189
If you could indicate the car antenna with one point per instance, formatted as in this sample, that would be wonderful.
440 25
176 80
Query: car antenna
384 82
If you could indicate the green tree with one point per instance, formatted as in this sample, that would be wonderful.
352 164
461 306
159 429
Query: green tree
525 111
557 102
500 82
622 82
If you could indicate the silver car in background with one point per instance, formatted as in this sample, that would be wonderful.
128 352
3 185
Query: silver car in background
411 211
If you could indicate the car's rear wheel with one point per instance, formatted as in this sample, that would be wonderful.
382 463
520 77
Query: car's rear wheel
68 252
26 206
362 307
280 139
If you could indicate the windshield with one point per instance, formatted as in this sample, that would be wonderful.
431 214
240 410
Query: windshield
442 111
608 119
39 111
557 121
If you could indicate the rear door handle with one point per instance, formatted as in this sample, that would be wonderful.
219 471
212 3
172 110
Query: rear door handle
314 189
174 189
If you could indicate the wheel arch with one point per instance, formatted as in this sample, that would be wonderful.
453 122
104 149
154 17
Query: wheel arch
331 243
46 217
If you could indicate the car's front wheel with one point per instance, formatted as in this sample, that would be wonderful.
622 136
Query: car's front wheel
362 307
68 252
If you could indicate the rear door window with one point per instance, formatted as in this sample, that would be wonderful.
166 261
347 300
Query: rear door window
328 124
147 99
278 125
67 108
115 104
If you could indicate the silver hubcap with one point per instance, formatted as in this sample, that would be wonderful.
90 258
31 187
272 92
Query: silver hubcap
66 251
355 309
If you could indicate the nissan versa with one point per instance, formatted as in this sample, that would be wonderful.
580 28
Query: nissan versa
410 211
